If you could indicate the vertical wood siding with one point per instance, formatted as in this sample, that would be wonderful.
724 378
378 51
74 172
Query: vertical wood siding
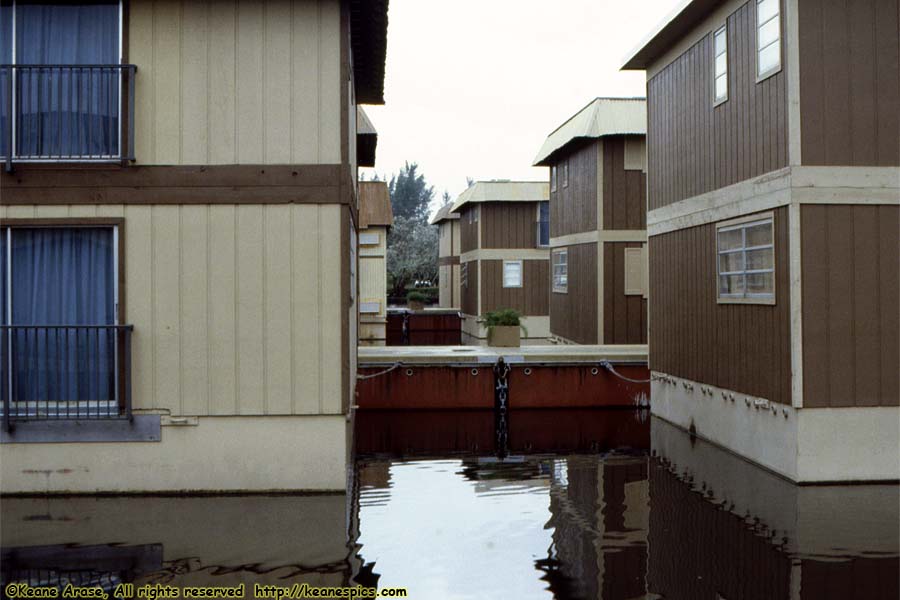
468 232
509 225
573 209
695 148
624 317
236 309
236 81
851 305
532 299
573 315
741 347
624 192
469 293
849 82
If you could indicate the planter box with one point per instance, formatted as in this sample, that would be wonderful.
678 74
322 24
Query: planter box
415 305
505 336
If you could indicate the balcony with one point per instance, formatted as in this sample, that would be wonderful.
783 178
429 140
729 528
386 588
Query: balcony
66 113
65 372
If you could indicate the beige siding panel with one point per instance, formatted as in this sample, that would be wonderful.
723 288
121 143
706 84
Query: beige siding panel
306 309
167 291
139 301
250 314
221 92
236 82
110 210
194 301
222 310
330 307
21 212
278 290
82 210
194 77
50 212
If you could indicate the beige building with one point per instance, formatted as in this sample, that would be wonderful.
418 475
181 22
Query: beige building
504 255
375 220
448 256
180 313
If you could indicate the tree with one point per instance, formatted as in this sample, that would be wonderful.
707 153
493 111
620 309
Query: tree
412 254
410 194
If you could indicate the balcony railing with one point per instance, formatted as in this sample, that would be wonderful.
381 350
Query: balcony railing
66 113
57 372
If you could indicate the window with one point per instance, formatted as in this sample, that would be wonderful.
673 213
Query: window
69 108
636 271
543 225
512 273
553 178
768 38
464 275
371 238
746 260
721 66
59 305
565 175
370 307
560 271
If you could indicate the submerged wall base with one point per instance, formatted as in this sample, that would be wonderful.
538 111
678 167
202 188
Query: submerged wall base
205 455
805 445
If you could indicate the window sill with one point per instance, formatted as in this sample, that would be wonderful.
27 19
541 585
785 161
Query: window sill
763 301
762 77
143 428
720 102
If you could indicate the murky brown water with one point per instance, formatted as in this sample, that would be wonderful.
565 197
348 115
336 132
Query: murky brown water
588 504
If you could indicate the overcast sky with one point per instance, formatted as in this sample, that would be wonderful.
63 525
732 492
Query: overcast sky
474 86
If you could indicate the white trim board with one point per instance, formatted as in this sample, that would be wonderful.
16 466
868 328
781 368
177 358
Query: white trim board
506 254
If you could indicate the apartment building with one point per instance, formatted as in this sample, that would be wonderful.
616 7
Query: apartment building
448 256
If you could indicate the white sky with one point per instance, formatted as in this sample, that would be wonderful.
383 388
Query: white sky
473 87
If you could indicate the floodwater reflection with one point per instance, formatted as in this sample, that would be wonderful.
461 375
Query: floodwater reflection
598 504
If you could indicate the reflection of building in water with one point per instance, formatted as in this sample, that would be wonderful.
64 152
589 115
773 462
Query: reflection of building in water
179 541
742 532
600 516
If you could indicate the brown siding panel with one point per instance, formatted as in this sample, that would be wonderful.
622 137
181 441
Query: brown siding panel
468 232
573 315
696 148
741 347
851 305
573 209
509 225
849 82
624 317
531 299
469 292
624 192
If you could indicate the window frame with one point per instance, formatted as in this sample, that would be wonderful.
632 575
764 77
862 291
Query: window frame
762 76
554 263
537 241
565 175
553 178
464 275
717 101
521 264
744 223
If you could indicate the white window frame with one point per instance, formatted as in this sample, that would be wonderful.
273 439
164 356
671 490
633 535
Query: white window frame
553 178
761 75
558 268
723 31
565 175
743 224
521 266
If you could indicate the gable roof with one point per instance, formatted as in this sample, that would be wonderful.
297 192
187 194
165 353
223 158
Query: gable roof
676 25
444 214
503 190
374 205
602 116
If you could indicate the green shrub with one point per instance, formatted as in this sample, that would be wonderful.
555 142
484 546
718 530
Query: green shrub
416 297
505 317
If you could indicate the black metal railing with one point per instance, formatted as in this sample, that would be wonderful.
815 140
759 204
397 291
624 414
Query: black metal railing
53 372
66 113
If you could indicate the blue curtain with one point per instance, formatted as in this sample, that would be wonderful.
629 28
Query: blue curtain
63 277
67 111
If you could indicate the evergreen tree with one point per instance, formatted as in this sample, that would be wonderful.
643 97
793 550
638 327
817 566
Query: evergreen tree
410 194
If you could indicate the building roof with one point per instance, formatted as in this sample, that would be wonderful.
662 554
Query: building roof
444 214
503 190
366 139
602 116
676 25
374 205
368 34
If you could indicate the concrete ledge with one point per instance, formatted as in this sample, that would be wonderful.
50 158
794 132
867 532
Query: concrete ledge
143 428
554 354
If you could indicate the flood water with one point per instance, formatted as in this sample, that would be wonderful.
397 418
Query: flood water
582 504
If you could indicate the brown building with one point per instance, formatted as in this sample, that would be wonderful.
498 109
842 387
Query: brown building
375 220
448 256
504 258
598 236
773 224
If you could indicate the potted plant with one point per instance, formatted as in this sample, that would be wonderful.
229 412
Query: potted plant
504 328
416 300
